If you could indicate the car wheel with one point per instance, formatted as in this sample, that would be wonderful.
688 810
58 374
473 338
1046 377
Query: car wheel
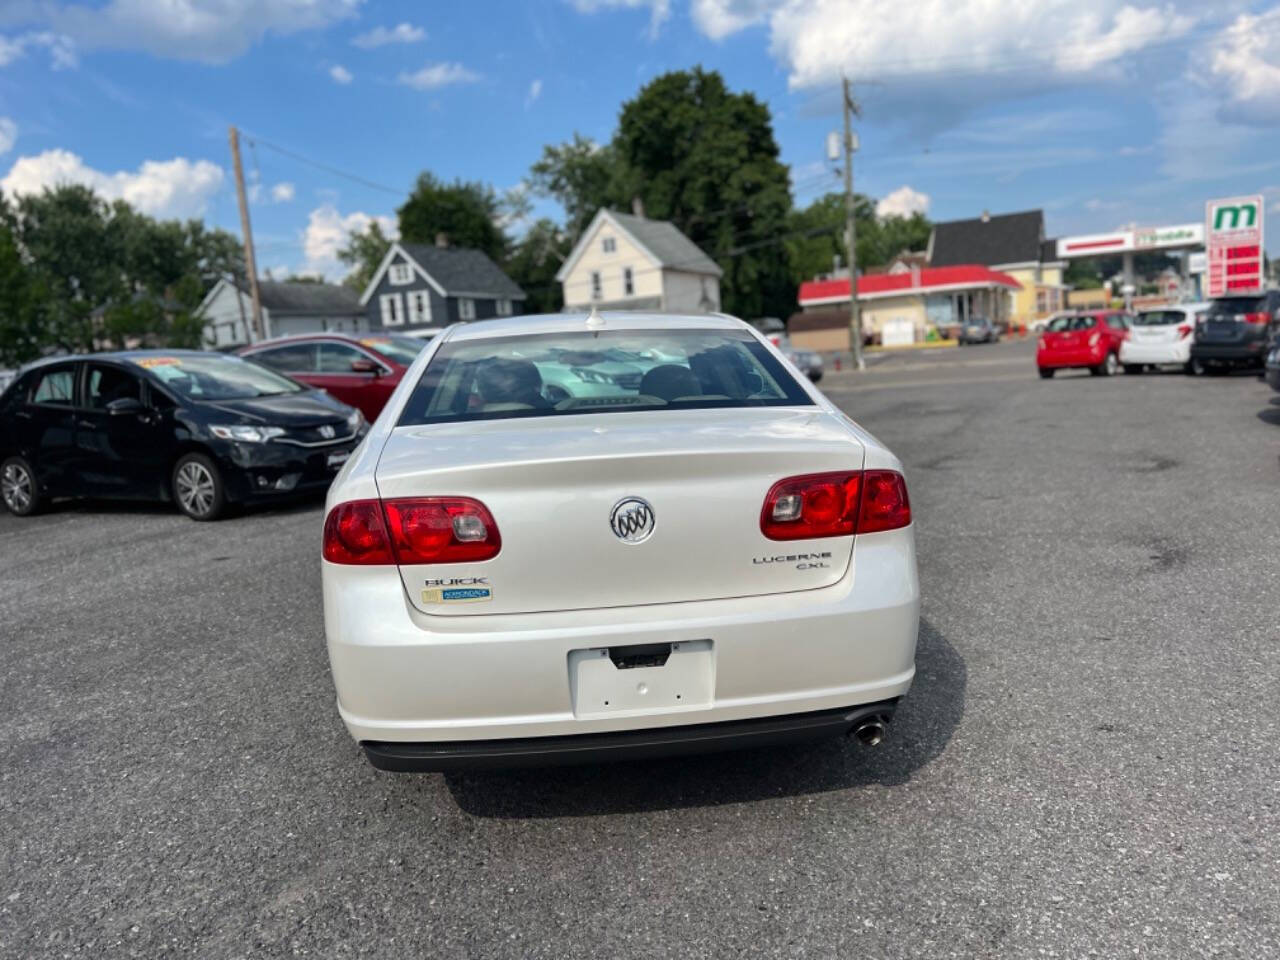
19 488
197 487
1046 373
1194 368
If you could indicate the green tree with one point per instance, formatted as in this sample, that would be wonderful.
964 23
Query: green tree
20 320
363 253
583 176
533 265
706 159
467 214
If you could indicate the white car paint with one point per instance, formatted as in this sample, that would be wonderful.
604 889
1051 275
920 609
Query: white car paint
757 637
1165 343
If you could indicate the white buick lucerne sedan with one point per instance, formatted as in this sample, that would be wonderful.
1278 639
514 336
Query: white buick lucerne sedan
575 538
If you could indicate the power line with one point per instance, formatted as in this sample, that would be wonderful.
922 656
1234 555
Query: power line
328 168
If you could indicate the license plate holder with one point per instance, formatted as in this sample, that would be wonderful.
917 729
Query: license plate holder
628 679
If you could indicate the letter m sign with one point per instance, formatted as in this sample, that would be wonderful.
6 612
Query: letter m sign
1238 214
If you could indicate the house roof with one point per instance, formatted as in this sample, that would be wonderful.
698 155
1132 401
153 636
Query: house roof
660 239
930 280
309 298
463 272
1006 238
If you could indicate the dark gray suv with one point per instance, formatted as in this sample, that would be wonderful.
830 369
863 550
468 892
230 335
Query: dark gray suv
1235 332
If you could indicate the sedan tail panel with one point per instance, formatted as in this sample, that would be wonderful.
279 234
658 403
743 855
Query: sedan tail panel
621 509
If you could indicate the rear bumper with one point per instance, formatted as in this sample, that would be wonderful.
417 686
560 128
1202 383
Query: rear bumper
625 745
404 677
1177 352
1057 359
1251 353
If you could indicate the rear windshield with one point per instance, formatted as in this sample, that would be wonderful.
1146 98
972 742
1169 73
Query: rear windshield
598 372
1234 305
1063 324
1159 318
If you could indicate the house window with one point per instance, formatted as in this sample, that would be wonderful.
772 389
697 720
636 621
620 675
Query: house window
392 309
628 284
466 308
609 244
596 292
503 308
420 307
401 273
1042 304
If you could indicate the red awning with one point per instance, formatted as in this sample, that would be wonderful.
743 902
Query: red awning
928 280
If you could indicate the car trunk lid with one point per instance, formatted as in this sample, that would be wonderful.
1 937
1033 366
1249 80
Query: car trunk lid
552 485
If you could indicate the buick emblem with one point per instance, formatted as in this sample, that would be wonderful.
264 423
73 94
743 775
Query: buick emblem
327 432
632 520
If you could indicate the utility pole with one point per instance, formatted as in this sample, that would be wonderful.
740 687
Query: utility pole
250 261
851 109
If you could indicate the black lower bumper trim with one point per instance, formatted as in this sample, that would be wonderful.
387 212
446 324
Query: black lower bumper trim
623 745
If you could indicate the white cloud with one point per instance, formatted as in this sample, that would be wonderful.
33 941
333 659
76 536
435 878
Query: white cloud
719 18
659 10
535 91
61 48
381 36
1245 69
903 202
436 75
340 74
169 188
210 31
282 192
8 134
327 232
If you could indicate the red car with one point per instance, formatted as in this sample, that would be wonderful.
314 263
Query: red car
361 371
1089 340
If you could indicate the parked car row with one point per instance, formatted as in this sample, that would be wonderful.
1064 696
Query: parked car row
1212 337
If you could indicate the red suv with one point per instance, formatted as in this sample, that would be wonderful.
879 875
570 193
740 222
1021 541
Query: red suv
1091 340
360 371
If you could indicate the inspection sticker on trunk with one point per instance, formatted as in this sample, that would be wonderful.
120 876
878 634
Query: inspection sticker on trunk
474 594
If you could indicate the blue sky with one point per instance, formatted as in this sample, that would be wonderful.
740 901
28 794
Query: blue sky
1101 112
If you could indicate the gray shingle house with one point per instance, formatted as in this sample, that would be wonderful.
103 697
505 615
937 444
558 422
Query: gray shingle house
418 286
287 308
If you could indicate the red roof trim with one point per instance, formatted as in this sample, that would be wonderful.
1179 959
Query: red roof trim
907 282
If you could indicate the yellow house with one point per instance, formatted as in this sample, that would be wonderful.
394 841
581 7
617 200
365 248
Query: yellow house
627 262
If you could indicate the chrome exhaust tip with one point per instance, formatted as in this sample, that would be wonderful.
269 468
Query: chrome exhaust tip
869 733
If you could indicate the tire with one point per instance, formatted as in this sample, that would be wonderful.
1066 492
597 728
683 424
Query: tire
1133 368
1194 368
19 488
1107 367
1046 373
197 489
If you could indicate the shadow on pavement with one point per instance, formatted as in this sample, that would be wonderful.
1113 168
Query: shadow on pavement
297 503
925 722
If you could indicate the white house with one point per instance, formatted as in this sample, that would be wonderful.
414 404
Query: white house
626 262
287 308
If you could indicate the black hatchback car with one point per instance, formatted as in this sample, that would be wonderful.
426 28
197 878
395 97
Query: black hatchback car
199 429
1236 332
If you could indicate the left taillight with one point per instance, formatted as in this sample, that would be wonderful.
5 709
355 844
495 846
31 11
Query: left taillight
356 533
820 505
1257 318
410 531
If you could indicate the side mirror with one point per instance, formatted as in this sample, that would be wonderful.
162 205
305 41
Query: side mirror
125 406
365 366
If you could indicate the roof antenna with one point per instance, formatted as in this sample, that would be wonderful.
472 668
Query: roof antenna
594 320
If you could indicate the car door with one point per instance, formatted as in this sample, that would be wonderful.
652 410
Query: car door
353 376
121 448
45 427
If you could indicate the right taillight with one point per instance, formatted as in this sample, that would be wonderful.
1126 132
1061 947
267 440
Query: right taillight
820 505
1184 331
411 531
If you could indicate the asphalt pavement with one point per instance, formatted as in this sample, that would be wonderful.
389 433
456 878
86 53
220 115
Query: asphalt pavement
1087 765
